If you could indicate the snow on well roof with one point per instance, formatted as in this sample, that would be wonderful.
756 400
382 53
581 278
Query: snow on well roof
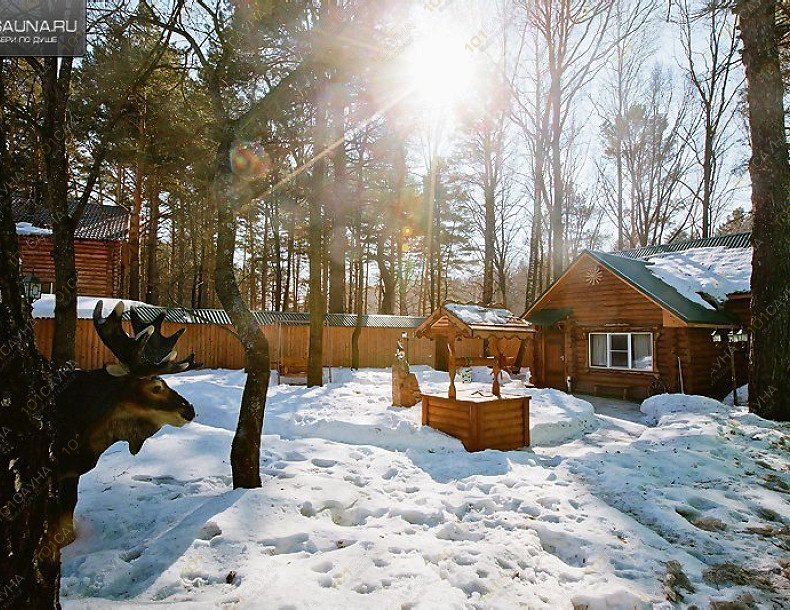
477 314
714 272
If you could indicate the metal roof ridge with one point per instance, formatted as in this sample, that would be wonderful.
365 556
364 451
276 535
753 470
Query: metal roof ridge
740 239
186 315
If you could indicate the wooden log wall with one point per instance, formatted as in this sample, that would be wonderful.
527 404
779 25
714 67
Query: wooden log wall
98 263
216 346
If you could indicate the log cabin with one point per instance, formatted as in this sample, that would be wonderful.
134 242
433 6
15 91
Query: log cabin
100 244
667 318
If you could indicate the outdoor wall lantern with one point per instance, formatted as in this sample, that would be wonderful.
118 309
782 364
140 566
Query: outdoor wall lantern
404 337
31 286
734 336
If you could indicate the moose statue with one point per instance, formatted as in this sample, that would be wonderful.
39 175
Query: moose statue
127 401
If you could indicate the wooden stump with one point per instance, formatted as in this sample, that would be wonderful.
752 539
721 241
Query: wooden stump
405 387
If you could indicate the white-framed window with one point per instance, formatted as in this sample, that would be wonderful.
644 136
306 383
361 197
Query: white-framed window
626 351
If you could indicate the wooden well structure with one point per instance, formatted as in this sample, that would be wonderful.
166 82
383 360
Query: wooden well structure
480 422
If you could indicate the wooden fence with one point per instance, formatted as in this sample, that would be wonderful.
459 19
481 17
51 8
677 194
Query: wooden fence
216 345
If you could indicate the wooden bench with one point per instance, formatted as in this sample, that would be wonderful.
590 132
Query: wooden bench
626 388
291 366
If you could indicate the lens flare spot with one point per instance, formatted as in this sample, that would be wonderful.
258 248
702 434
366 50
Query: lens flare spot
249 160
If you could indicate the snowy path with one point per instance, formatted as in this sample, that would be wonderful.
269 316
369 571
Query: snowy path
362 507
616 409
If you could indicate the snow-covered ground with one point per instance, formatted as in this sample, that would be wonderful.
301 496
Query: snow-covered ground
362 507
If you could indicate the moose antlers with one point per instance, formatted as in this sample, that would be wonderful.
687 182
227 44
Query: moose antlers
145 354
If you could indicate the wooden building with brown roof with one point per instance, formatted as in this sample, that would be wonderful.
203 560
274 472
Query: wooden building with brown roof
100 245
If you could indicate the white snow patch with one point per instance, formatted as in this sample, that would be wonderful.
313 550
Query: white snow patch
25 228
475 314
743 396
485 374
45 306
556 417
716 272
361 507
658 406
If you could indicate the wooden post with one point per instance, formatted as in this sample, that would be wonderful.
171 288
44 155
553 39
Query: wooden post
733 373
497 367
525 411
451 365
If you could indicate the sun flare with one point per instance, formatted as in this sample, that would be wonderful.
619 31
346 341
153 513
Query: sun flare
440 68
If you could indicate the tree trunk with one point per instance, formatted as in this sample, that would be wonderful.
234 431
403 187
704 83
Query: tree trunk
339 206
358 322
30 565
387 275
245 453
134 217
315 367
535 268
401 173
769 381
489 197
558 205
56 85
707 180
288 264
151 269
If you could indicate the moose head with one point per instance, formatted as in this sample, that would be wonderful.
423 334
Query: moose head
141 394
124 401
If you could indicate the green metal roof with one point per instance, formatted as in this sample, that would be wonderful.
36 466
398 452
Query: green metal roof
179 315
635 272
732 240
549 316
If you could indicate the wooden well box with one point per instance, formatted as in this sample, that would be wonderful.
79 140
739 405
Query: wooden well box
480 422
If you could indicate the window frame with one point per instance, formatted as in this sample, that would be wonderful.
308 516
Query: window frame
609 367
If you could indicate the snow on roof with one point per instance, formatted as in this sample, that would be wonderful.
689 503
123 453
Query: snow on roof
45 306
476 314
103 222
716 272
25 228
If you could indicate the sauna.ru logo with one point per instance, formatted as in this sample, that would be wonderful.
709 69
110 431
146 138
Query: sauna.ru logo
53 28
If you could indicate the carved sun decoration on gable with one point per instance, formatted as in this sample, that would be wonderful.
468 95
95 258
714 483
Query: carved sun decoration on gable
593 275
